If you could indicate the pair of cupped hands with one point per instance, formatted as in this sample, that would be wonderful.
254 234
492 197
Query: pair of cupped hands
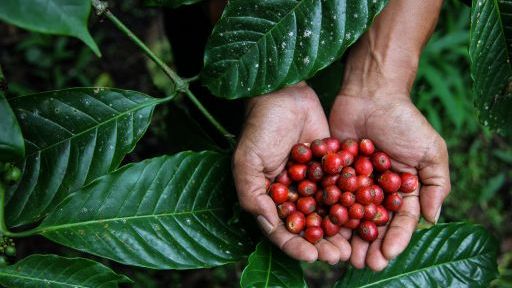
277 121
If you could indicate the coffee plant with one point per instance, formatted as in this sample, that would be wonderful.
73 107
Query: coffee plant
61 152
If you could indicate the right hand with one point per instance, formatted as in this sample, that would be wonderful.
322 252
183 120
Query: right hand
275 122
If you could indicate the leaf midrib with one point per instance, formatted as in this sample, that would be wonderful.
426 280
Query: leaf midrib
44 230
421 270
41 280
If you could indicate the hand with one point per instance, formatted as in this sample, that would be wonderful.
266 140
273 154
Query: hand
275 123
400 130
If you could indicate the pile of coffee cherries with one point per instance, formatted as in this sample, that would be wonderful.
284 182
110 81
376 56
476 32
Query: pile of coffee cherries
331 184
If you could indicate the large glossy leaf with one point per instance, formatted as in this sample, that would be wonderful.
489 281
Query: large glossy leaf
269 267
260 46
490 53
446 255
61 17
73 136
169 212
169 3
55 271
11 140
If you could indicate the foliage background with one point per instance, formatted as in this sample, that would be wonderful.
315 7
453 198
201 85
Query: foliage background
480 160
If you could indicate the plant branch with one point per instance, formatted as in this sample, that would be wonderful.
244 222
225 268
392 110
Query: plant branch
3 228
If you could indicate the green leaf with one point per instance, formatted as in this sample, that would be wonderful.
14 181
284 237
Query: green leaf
56 271
169 3
168 212
11 140
60 17
490 53
270 267
73 136
260 46
446 255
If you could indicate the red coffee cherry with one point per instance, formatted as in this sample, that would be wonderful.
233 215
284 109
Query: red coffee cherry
363 181
292 194
295 222
352 224
366 147
338 214
368 231
286 208
333 144
331 195
329 180
379 194
356 211
321 210
390 181
409 182
297 172
301 153
313 220
283 178
319 196
363 166
313 234
348 171
347 183
318 148
332 163
365 195
330 229
393 202
346 158
351 146
306 188
306 205
315 172
381 161
279 193
347 199
381 217
370 211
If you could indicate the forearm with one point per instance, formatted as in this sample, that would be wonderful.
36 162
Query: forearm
387 56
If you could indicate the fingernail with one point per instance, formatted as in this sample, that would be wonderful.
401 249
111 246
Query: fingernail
437 215
264 224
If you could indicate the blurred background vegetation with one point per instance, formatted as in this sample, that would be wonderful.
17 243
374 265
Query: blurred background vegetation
480 160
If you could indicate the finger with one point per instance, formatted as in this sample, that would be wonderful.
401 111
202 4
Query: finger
374 258
402 226
435 187
359 249
343 246
345 233
328 252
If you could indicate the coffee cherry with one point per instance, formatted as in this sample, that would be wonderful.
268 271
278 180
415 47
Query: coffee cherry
279 193
286 208
363 181
331 195
319 196
365 195
351 146
366 147
390 181
338 214
297 172
10 251
301 153
332 163
12 175
321 210
346 158
347 199
381 161
409 182
348 171
329 180
284 178
313 234
318 148
363 166
368 231
333 144
352 224
292 194
306 205
295 222
393 202
369 211
381 217
347 183
356 211
306 188
315 172
330 229
313 220
379 194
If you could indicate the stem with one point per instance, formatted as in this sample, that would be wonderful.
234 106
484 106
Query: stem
181 84
3 227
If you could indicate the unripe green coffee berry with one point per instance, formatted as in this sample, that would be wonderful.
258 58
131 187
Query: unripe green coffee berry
10 251
13 175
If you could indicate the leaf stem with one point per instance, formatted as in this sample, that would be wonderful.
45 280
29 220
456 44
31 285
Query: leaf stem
3 228
181 84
